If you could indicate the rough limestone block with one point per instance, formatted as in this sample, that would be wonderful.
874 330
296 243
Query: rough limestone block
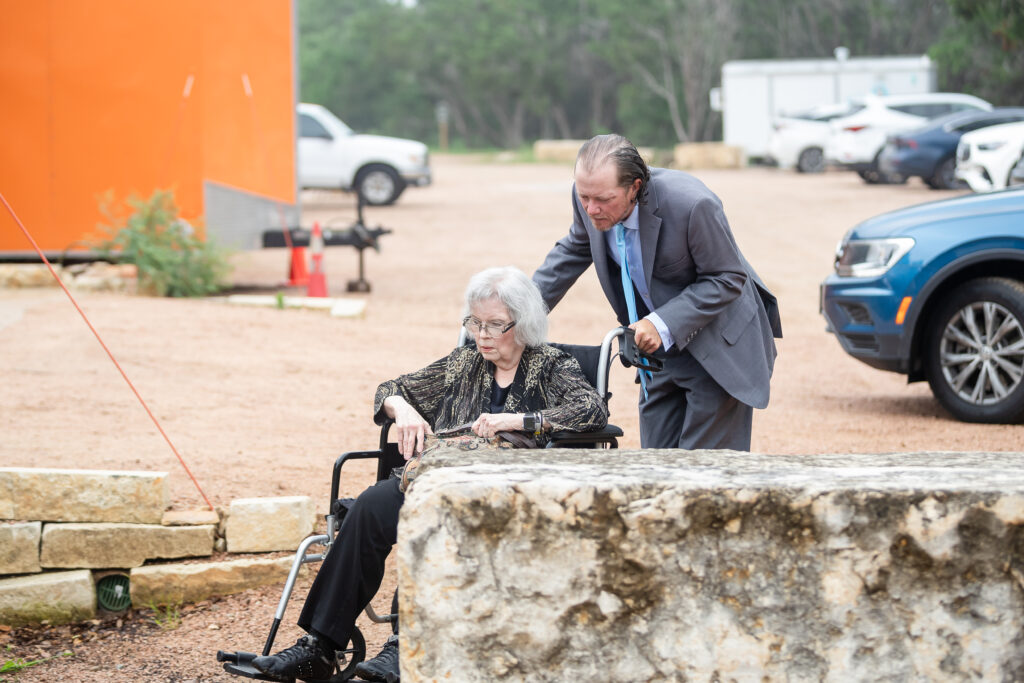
20 275
100 546
57 597
264 524
566 151
170 584
190 517
713 565
557 150
707 155
82 495
19 547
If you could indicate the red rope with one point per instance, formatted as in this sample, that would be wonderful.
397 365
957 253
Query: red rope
100 340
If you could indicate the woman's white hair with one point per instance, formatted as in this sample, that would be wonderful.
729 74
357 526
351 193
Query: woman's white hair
520 296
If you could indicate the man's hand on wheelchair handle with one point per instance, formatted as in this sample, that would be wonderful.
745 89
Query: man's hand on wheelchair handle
410 427
646 335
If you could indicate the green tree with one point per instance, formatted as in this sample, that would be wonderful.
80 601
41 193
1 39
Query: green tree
812 29
983 51
673 51
502 67
354 60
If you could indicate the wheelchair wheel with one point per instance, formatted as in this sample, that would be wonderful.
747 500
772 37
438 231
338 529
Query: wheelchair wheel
350 656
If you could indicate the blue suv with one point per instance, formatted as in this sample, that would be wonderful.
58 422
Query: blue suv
936 292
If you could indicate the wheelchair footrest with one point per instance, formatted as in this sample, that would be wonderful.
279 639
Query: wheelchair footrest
247 670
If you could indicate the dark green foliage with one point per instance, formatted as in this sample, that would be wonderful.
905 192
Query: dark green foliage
172 260
512 71
983 51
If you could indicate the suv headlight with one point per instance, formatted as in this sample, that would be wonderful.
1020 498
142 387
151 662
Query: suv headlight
870 258
989 146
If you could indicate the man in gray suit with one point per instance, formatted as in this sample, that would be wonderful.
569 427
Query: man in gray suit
696 302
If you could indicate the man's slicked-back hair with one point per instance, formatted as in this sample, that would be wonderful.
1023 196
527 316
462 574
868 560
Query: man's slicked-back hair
621 152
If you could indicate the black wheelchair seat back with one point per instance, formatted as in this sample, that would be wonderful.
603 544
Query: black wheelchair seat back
589 358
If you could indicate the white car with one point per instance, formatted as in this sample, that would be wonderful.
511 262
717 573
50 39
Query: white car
856 140
798 140
1017 174
985 157
333 156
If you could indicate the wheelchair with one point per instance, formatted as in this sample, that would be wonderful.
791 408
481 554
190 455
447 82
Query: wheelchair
593 360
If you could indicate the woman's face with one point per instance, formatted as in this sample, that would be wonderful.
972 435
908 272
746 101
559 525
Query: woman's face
501 348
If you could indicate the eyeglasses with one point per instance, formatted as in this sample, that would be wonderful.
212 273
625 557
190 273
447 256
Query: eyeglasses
491 329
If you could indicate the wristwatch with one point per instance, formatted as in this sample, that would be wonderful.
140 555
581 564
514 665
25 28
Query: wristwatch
533 423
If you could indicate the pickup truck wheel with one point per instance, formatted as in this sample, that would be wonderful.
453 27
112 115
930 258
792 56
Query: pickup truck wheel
975 351
812 160
380 185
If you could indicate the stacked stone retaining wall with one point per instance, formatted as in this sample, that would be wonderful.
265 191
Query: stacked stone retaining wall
62 523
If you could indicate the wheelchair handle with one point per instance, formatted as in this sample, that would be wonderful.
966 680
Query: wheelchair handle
631 355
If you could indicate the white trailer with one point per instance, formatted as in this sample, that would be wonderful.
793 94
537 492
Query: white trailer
754 92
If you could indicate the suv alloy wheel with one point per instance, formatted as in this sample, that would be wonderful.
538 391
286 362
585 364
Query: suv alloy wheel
975 351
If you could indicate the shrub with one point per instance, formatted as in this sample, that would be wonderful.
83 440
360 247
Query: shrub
171 258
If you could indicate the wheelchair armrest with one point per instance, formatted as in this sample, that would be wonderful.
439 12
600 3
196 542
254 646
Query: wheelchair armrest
340 462
608 435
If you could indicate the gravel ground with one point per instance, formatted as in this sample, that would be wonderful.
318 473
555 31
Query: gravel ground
259 401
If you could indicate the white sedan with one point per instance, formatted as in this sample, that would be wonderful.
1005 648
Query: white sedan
798 140
985 157
856 140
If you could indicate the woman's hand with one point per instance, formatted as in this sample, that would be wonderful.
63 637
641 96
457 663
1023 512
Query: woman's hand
410 427
489 424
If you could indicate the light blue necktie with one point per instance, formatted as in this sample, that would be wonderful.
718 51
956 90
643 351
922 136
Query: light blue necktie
627 289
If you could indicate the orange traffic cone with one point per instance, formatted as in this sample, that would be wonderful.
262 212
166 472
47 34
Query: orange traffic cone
298 275
317 279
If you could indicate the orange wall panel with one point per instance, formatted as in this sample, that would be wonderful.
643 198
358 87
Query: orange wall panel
25 153
116 93
249 142
94 103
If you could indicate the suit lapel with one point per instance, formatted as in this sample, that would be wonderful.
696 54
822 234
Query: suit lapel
650 228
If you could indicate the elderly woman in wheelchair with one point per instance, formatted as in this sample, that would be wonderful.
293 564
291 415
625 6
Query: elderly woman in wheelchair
510 382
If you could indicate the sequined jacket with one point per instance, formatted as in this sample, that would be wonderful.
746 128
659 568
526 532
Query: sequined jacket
457 389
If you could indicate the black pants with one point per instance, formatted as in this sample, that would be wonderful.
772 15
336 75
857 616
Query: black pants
354 568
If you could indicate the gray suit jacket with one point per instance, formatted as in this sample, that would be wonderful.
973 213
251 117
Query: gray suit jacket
700 284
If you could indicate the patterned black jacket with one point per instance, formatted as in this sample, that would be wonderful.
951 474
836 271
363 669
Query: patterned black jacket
457 389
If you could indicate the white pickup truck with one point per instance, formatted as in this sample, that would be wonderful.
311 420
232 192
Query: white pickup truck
333 156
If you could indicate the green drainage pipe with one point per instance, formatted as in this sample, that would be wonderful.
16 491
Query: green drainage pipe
112 593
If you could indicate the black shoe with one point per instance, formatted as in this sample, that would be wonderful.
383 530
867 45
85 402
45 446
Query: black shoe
383 667
307 660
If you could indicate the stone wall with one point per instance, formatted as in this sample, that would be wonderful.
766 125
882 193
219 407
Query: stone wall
109 520
713 566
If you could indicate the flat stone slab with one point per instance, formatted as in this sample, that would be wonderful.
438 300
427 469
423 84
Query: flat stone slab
171 584
57 597
338 307
19 547
106 546
713 565
59 495
190 518
257 525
